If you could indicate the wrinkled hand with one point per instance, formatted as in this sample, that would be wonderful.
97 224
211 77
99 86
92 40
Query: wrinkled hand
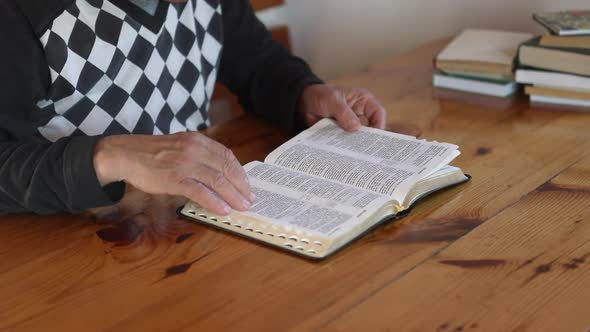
350 107
186 164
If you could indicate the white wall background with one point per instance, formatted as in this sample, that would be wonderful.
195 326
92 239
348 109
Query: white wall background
342 36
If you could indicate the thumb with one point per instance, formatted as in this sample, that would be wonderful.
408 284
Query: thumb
345 117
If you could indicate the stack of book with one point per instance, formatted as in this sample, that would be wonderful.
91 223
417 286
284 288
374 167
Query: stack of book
479 61
556 67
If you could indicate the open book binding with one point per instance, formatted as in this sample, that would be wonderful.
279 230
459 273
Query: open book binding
326 187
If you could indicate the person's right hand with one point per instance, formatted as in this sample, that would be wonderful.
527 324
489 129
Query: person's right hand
186 164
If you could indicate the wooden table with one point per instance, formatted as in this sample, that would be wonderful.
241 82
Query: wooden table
510 251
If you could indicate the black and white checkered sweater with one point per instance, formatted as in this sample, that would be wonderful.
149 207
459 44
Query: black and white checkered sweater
110 74
75 70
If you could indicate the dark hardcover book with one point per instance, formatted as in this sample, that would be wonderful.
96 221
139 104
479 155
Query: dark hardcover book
568 60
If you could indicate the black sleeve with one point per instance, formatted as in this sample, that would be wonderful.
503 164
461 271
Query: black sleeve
267 79
36 175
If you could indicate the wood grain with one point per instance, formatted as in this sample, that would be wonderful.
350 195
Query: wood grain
506 252
525 269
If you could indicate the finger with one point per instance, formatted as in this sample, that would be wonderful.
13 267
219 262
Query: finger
359 109
219 184
200 194
345 117
363 119
375 113
220 158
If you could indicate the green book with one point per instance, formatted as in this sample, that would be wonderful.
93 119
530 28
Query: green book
486 77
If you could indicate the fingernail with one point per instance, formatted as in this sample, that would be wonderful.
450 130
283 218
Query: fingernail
353 124
252 197
226 209
246 204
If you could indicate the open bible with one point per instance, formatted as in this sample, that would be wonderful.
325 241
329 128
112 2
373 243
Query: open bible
326 187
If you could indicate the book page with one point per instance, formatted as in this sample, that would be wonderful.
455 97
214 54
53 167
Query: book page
299 201
371 159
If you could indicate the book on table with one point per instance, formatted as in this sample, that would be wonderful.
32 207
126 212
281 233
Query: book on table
549 94
583 104
479 61
565 41
568 60
490 87
566 23
481 52
550 79
555 88
326 187
558 93
555 75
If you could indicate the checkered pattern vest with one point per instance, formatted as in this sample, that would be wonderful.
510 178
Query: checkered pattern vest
111 75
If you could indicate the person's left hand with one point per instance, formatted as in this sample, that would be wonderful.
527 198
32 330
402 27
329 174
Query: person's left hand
350 107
